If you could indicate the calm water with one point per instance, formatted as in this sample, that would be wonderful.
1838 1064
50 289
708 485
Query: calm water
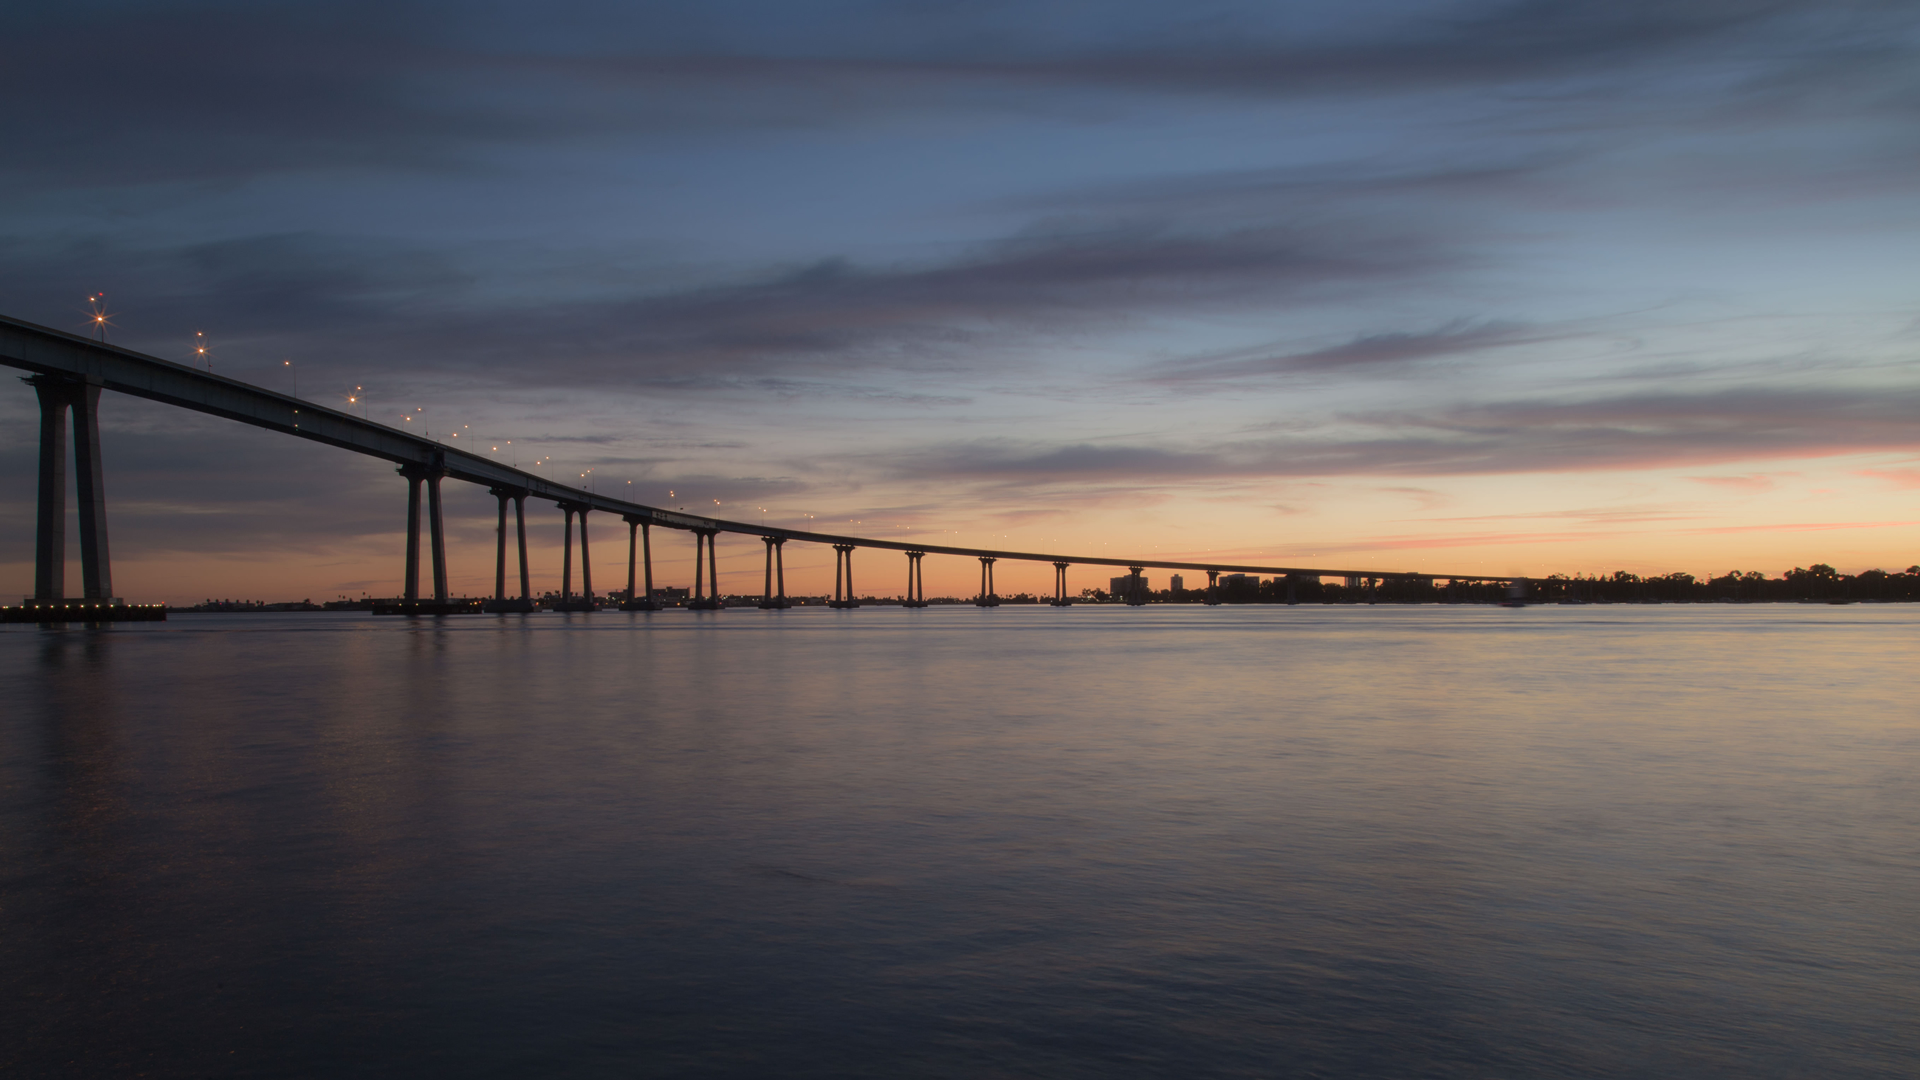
1097 842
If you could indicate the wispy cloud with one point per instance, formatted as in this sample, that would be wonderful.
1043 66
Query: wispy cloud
1636 432
779 332
1384 350
1899 479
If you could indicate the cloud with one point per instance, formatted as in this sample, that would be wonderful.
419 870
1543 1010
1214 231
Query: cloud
1753 483
1898 479
417 312
1386 350
205 92
1629 432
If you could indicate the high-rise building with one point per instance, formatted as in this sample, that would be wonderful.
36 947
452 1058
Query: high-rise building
1118 587
1179 583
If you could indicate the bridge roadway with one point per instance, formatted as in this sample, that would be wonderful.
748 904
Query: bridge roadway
60 355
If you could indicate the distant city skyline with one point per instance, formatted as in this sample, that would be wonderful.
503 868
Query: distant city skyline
1488 287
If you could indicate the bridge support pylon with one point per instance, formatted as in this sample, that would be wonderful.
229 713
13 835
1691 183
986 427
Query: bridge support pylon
1060 585
1213 588
706 558
843 556
568 601
1136 589
501 602
640 541
58 396
987 598
411 603
916 583
773 595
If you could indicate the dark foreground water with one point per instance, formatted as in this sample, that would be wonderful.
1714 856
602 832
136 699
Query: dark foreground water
1600 842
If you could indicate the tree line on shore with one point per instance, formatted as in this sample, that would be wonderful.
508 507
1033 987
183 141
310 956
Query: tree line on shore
1818 583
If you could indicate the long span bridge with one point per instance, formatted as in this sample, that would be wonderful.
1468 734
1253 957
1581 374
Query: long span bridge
70 371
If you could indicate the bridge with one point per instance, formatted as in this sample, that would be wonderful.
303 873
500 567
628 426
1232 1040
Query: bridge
70 371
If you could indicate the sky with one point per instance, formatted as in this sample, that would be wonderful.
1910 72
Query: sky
1463 287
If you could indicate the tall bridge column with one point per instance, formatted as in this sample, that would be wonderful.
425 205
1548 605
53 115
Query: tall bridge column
50 536
50 529
520 524
1293 595
916 582
646 557
713 567
1060 585
567 600
1213 587
699 570
410 591
640 539
436 526
566 556
500 601
773 596
843 556
706 556
987 596
96 572
1136 589
586 563
500 547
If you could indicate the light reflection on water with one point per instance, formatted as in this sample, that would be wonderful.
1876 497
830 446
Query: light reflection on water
1168 841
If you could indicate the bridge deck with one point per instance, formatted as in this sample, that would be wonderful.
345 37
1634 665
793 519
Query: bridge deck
46 351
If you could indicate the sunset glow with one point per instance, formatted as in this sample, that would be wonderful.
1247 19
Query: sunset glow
1355 289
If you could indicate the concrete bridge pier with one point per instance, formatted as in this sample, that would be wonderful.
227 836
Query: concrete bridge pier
410 585
640 539
520 527
1136 589
1060 585
50 527
773 595
501 602
566 556
916 583
1213 587
57 396
568 601
411 604
706 558
987 596
1293 588
586 563
437 530
843 556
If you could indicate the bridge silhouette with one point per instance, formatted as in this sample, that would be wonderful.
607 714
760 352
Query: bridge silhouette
70 371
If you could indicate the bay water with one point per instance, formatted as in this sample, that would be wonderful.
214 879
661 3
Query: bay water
1091 842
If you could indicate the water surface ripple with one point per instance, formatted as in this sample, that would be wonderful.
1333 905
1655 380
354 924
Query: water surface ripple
1171 841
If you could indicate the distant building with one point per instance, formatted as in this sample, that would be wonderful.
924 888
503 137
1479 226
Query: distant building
1179 583
1118 587
1234 579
